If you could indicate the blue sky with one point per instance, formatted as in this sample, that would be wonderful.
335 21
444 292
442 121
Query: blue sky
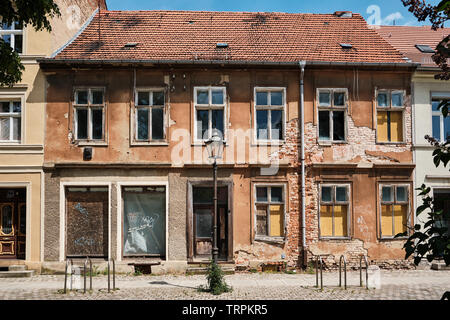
375 12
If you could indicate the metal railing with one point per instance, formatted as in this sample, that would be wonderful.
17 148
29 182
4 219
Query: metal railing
114 274
360 271
342 258
319 260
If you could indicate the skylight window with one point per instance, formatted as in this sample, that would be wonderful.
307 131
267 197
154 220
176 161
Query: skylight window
222 45
346 45
424 48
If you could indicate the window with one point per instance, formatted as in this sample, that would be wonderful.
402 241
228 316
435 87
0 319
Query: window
442 202
332 114
270 106
150 115
270 211
394 209
390 107
209 104
13 35
334 210
89 114
441 125
10 121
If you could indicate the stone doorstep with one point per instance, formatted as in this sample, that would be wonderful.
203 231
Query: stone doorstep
17 274
439 266
17 267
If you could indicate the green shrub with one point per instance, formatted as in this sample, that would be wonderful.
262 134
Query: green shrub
216 281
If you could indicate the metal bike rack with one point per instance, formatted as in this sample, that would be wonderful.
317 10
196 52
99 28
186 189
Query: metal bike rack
319 260
90 273
360 271
114 274
65 274
345 271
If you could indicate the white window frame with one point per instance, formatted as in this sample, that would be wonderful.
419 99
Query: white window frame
11 115
13 32
391 108
149 107
394 202
210 107
269 107
89 107
268 203
333 202
331 108
441 117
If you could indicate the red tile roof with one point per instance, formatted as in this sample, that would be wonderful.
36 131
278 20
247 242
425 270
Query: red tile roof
405 38
193 35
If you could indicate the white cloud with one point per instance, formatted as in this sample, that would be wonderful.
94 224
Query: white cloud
392 17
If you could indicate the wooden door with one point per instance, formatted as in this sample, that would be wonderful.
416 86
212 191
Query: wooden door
13 215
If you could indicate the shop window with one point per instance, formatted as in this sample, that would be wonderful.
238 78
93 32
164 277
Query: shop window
149 115
270 113
89 114
390 108
12 34
10 121
334 211
209 106
144 221
394 209
332 114
270 211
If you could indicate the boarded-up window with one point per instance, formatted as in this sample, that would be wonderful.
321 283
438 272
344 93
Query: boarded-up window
390 107
270 211
334 208
394 210
87 221
144 221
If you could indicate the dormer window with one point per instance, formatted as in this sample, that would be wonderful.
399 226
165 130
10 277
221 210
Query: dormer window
13 35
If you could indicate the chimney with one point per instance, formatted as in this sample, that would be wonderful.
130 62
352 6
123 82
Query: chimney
343 14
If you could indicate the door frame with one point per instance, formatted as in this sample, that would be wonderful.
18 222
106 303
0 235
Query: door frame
190 214
27 187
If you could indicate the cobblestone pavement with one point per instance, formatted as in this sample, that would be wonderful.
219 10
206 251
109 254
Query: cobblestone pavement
395 285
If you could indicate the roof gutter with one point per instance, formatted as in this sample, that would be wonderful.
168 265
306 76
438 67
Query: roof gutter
229 62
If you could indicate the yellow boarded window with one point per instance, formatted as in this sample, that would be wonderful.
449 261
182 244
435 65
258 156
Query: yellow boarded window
326 221
400 216
276 221
382 126
386 220
340 221
396 126
394 210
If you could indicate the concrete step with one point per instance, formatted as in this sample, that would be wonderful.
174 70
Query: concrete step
17 274
439 266
203 270
17 268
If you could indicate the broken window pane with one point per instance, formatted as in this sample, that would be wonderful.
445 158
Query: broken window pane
217 120
202 97
324 125
261 124
339 99
338 126
82 123
142 125
327 194
143 98
262 98
82 97
276 194
97 124
276 98
157 124
217 97
324 98
261 194
97 97
158 98
202 123
382 99
277 124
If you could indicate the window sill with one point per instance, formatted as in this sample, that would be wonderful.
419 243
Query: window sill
201 143
277 240
392 238
268 143
392 143
328 143
335 238
149 144
91 144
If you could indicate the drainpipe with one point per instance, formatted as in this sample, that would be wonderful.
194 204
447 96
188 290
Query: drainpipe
302 65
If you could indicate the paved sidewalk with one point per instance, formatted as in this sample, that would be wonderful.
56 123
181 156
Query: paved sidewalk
395 285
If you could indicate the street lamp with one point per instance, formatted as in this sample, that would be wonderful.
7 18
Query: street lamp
215 150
